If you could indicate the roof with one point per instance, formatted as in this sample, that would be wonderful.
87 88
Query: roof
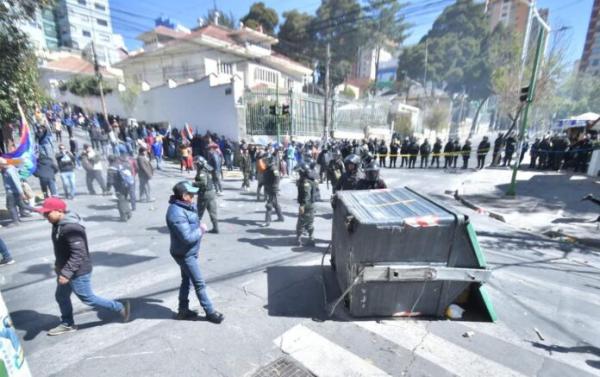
218 32
163 30
74 64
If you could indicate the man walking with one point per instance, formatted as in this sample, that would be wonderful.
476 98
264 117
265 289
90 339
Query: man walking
120 177
186 233
13 191
482 151
73 266
66 166
92 165
145 172
46 173
246 168
271 179
306 198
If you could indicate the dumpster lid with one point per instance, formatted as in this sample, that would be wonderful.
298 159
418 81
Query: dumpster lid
394 206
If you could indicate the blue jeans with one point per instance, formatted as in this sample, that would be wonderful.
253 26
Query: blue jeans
48 186
68 180
158 161
4 253
291 164
82 286
190 274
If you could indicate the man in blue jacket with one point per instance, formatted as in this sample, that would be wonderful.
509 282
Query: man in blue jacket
186 232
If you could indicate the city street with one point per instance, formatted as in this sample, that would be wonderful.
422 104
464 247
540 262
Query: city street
545 292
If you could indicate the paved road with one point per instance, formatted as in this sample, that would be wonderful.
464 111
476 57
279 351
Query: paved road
272 295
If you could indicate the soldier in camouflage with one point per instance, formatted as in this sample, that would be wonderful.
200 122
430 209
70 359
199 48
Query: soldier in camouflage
306 198
336 169
207 197
246 168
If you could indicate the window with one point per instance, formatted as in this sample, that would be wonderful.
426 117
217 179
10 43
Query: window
226 68
82 2
264 75
102 22
86 33
105 38
99 7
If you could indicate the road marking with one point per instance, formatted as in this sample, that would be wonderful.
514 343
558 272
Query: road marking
110 244
323 357
415 337
46 241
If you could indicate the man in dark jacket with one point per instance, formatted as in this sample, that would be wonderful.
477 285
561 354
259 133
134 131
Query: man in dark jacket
437 150
413 150
393 153
372 180
498 144
425 150
511 145
533 153
466 154
145 172
383 151
482 151
186 233
404 152
66 166
73 266
46 172
448 153
120 177
92 164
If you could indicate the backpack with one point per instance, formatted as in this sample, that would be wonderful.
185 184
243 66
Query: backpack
126 177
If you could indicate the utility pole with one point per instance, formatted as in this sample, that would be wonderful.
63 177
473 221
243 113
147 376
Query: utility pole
530 95
99 77
326 105
277 118
425 71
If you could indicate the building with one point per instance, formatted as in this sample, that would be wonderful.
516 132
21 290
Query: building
173 57
42 31
590 59
511 13
365 66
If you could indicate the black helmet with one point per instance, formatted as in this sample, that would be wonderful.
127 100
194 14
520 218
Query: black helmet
311 163
302 168
352 159
372 171
201 163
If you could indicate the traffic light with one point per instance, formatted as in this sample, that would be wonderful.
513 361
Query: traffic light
524 94
285 110
273 110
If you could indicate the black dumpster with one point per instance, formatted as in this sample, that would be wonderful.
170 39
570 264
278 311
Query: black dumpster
400 253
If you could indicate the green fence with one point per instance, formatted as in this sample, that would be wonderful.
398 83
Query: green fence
305 113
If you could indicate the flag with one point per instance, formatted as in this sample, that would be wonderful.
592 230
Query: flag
187 132
23 157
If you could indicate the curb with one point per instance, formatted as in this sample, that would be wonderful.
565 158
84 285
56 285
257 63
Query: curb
550 234
478 209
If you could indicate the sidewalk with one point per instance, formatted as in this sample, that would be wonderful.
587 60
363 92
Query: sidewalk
547 203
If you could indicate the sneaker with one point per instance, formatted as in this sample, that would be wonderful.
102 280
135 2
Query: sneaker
280 219
214 231
182 315
61 329
311 243
126 312
215 317
6 261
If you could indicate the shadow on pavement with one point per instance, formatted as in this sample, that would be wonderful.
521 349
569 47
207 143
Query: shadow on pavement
242 222
587 348
299 291
103 218
33 322
159 229
103 258
272 242
105 207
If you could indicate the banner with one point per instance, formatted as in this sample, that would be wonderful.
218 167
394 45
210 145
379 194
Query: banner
23 157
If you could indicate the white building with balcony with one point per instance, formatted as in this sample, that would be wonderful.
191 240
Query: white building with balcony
173 57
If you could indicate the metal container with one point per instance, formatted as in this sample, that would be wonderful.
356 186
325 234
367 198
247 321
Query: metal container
400 253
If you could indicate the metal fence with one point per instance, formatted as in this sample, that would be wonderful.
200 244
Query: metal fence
305 113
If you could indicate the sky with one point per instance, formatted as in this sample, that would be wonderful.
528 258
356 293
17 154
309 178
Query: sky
131 17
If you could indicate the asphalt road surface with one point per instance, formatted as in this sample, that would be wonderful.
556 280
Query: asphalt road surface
273 297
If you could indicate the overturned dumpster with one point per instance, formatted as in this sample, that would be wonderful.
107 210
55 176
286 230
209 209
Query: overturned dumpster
399 253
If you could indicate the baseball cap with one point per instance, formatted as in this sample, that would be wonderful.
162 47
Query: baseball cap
52 204
184 187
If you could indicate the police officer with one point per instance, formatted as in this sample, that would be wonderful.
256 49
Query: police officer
352 175
437 150
336 169
425 150
207 197
271 179
306 198
448 153
482 151
371 181
246 167
466 154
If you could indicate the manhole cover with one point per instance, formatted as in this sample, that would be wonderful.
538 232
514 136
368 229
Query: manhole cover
283 367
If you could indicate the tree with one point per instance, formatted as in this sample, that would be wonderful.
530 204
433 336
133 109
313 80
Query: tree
85 86
437 118
295 40
339 23
260 15
348 92
453 47
18 65
224 19
386 27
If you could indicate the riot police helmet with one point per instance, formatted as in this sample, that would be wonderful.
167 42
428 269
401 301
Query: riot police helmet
372 171
352 159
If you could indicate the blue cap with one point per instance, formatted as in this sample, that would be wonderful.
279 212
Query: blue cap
184 187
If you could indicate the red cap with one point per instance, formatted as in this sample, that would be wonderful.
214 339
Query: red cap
52 204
